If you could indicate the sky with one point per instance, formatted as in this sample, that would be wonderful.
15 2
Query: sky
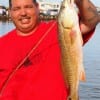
5 2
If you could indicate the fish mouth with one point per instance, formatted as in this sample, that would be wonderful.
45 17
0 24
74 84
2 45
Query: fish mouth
68 28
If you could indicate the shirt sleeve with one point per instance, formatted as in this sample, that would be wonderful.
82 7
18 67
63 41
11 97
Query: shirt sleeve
87 36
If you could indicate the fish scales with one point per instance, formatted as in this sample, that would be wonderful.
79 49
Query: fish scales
70 40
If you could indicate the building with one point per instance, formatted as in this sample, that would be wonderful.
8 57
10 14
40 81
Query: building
2 11
48 8
98 9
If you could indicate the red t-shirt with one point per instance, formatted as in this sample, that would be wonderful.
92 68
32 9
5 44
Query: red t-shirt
40 77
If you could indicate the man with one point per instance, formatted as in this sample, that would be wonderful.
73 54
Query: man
30 54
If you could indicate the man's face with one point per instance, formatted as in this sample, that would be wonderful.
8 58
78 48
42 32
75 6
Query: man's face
24 14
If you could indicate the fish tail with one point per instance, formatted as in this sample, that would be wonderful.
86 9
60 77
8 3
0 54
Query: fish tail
75 96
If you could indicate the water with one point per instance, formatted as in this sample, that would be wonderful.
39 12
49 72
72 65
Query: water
89 90
5 27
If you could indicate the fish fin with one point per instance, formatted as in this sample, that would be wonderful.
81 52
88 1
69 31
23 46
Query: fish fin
82 75
81 38
73 36
74 96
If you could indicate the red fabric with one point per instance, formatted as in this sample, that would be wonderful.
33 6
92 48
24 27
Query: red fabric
41 77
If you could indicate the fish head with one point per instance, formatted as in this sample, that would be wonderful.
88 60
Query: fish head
67 16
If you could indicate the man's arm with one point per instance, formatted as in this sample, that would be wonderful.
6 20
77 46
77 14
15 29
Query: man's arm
99 17
89 15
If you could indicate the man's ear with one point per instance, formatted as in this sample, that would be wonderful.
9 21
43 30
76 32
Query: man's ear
37 4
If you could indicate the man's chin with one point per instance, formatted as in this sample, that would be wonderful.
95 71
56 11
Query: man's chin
24 31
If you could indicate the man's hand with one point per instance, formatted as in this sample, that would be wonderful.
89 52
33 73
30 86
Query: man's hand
89 15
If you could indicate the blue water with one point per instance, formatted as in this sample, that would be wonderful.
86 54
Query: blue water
89 90
5 27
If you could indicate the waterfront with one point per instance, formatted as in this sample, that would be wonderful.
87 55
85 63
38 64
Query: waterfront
89 90
5 27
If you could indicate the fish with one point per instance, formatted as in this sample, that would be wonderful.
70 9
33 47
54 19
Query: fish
71 46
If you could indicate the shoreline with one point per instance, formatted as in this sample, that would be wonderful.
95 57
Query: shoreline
46 17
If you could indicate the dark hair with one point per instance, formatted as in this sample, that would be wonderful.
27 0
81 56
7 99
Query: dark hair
11 4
